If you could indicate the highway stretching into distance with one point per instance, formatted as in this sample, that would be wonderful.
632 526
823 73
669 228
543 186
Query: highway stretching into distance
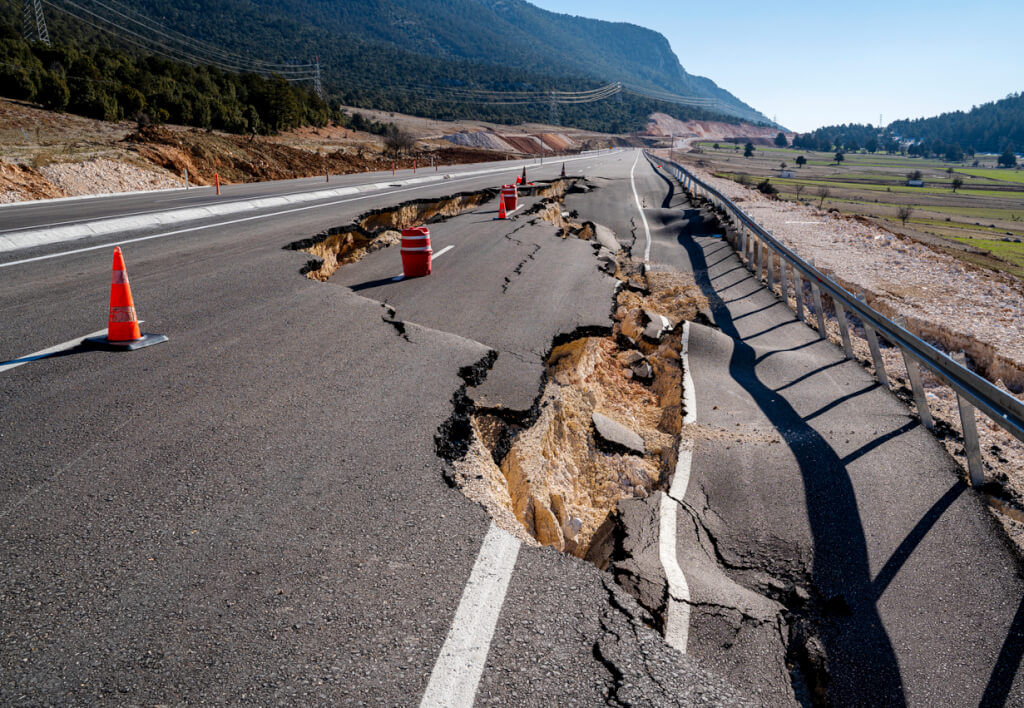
256 512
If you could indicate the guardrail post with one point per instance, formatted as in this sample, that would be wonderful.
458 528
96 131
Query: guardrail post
844 326
914 374
798 292
876 352
975 468
782 280
759 258
770 269
816 294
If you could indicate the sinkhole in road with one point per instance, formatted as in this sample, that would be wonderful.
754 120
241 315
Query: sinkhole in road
380 228
605 426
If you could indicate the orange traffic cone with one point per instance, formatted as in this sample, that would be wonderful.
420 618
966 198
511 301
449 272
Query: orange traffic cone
522 180
563 169
123 324
502 214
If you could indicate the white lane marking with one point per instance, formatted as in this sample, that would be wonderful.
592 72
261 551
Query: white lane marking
689 397
456 674
677 619
433 258
239 221
643 218
49 351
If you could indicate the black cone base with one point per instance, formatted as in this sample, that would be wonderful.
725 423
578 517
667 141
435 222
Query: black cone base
145 341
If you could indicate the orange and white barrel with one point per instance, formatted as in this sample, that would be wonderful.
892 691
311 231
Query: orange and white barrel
510 195
416 252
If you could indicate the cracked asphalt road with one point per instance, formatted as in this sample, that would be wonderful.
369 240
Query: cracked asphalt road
255 513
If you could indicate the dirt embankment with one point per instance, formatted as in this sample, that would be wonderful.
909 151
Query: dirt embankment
527 144
252 159
48 154
662 125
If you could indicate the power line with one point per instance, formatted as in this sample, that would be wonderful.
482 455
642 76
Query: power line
176 46
168 51
198 45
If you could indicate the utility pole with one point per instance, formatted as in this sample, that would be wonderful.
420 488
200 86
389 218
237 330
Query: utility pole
317 86
554 109
33 24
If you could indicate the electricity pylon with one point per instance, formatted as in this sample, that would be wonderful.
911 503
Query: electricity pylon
33 24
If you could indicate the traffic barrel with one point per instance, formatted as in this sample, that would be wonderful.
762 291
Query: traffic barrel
122 321
416 252
509 197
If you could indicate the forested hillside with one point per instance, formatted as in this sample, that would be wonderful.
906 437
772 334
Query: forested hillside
109 84
429 58
991 127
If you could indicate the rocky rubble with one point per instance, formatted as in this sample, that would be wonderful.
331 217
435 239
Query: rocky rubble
102 176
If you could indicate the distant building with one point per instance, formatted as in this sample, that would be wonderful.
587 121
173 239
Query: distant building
787 174
915 182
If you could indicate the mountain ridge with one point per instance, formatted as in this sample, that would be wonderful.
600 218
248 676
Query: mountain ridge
504 34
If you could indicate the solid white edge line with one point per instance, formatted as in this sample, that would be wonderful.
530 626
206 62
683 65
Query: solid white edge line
49 351
643 218
677 616
689 395
432 258
456 674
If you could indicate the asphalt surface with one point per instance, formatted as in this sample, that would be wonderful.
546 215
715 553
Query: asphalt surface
254 512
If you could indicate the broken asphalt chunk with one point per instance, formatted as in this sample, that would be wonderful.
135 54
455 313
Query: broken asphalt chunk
617 436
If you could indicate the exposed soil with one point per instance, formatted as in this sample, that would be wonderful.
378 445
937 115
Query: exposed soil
379 229
50 155
254 159
660 124
554 479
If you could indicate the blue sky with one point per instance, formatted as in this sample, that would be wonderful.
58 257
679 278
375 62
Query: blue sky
821 63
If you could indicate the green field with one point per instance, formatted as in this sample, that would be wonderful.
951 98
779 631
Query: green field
1010 252
1001 175
987 208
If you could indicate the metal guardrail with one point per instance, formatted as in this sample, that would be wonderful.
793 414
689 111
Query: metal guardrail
759 249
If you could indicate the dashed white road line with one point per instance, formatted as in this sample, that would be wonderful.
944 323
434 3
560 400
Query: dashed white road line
677 619
456 674
49 351
401 276
643 218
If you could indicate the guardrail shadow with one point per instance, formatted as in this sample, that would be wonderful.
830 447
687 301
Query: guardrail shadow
854 636
1001 681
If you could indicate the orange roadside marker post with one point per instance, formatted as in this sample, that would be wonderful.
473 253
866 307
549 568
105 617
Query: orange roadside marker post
123 332
216 181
